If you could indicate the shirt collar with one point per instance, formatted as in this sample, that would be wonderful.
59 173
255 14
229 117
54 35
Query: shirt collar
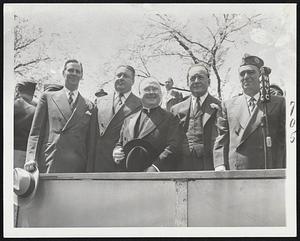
202 98
74 91
150 110
125 95
256 97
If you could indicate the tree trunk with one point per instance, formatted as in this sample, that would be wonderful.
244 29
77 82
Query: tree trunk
218 77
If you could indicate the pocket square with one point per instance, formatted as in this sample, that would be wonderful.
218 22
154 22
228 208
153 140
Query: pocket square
88 112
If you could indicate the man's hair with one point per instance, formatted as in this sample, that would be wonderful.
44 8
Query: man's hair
127 67
73 61
170 79
150 79
196 65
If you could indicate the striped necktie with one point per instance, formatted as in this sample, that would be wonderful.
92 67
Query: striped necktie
118 102
197 106
251 104
71 98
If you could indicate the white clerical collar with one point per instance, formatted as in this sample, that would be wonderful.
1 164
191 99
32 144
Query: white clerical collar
256 97
202 98
75 92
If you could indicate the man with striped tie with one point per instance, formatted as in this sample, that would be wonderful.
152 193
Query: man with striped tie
59 132
197 116
106 122
240 141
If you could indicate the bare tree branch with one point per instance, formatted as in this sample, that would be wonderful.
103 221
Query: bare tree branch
26 44
30 62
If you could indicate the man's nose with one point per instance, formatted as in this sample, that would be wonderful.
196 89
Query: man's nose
246 75
197 80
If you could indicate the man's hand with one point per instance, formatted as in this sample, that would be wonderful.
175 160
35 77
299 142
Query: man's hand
118 154
30 166
220 168
151 169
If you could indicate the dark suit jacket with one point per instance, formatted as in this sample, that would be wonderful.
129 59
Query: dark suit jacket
182 110
161 130
23 116
105 131
58 136
175 97
240 143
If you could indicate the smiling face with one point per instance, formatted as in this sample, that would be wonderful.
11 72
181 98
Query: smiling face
249 77
72 74
198 80
150 92
124 79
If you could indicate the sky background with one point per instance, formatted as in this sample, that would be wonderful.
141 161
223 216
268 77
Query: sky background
94 33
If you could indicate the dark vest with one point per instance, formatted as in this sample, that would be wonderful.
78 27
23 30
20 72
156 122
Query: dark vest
195 133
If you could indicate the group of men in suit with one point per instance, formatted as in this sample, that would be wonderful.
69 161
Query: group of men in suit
122 131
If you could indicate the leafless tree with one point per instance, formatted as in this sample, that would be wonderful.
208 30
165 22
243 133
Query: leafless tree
208 44
28 52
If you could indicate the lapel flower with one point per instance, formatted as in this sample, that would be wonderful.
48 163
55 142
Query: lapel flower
215 106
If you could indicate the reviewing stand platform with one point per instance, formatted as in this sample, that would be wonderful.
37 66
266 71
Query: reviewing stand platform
245 198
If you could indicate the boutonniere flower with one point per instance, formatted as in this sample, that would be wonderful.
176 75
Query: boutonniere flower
90 106
88 112
215 106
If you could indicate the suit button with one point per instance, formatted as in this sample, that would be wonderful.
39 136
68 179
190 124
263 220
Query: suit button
101 133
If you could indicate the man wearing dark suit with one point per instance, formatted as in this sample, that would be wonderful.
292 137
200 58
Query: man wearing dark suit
171 97
197 116
23 116
240 143
154 125
111 110
58 137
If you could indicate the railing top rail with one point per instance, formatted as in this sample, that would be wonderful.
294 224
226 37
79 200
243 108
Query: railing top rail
192 175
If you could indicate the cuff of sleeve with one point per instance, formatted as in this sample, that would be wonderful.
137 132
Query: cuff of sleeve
156 168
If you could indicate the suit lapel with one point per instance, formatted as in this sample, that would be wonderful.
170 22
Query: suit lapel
152 123
208 110
255 119
61 101
77 113
243 114
132 123
129 106
185 110
254 122
105 110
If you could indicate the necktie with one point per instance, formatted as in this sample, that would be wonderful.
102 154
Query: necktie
71 98
252 104
197 106
119 102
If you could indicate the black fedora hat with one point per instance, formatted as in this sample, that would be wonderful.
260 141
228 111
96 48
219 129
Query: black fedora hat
139 155
100 93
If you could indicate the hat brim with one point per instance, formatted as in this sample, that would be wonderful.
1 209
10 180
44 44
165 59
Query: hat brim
139 155
22 202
